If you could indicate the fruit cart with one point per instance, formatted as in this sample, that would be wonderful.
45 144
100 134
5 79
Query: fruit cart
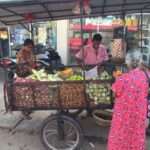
62 130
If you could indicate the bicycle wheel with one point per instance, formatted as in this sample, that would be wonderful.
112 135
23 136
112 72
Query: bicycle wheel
61 133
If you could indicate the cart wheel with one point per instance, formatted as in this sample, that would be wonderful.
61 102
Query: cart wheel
61 133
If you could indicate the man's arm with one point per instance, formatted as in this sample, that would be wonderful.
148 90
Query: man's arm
106 57
80 56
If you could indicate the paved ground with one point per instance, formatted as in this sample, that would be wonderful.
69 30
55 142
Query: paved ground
26 136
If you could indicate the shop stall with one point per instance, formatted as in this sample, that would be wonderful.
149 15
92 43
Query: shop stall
71 87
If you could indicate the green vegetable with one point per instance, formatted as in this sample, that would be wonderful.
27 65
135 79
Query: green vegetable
75 78
105 76
41 75
99 93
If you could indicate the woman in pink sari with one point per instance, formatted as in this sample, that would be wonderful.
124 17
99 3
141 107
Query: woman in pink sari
129 119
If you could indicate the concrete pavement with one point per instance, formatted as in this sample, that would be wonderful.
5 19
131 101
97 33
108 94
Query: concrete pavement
27 135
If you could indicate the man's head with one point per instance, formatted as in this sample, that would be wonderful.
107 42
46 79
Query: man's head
29 44
97 38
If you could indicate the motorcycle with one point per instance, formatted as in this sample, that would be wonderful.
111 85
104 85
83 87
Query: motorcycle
50 59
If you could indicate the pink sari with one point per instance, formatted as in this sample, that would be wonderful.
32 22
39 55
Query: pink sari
129 119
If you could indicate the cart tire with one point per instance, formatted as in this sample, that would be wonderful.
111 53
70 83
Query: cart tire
8 106
72 133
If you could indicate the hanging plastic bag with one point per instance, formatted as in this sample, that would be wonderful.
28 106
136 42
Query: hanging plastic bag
118 49
86 5
76 9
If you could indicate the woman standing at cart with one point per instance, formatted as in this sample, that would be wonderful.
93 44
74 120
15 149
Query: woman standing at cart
94 53
129 118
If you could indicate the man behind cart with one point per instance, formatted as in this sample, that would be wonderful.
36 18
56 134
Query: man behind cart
95 54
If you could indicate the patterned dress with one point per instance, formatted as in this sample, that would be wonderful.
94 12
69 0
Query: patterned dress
27 59
26 56
129 119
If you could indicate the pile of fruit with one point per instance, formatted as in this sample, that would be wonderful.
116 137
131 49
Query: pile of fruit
41 75
105 76
117 73
75 78
99 93
66 73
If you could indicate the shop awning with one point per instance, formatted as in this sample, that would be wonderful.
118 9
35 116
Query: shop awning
23 11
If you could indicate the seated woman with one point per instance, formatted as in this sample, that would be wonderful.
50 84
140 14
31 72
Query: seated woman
26 57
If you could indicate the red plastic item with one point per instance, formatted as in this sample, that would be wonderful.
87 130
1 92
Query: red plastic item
29 17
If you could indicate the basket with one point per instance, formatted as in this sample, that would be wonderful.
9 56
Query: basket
23 96
49 95
32 95
46 95
102 117
118 50
99 93
72 95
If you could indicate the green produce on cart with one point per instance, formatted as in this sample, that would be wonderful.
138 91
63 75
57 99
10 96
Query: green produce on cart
75 78
99 93
41 75
105 76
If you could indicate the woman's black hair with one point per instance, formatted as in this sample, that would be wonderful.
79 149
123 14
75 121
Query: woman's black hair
28 42
97 37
